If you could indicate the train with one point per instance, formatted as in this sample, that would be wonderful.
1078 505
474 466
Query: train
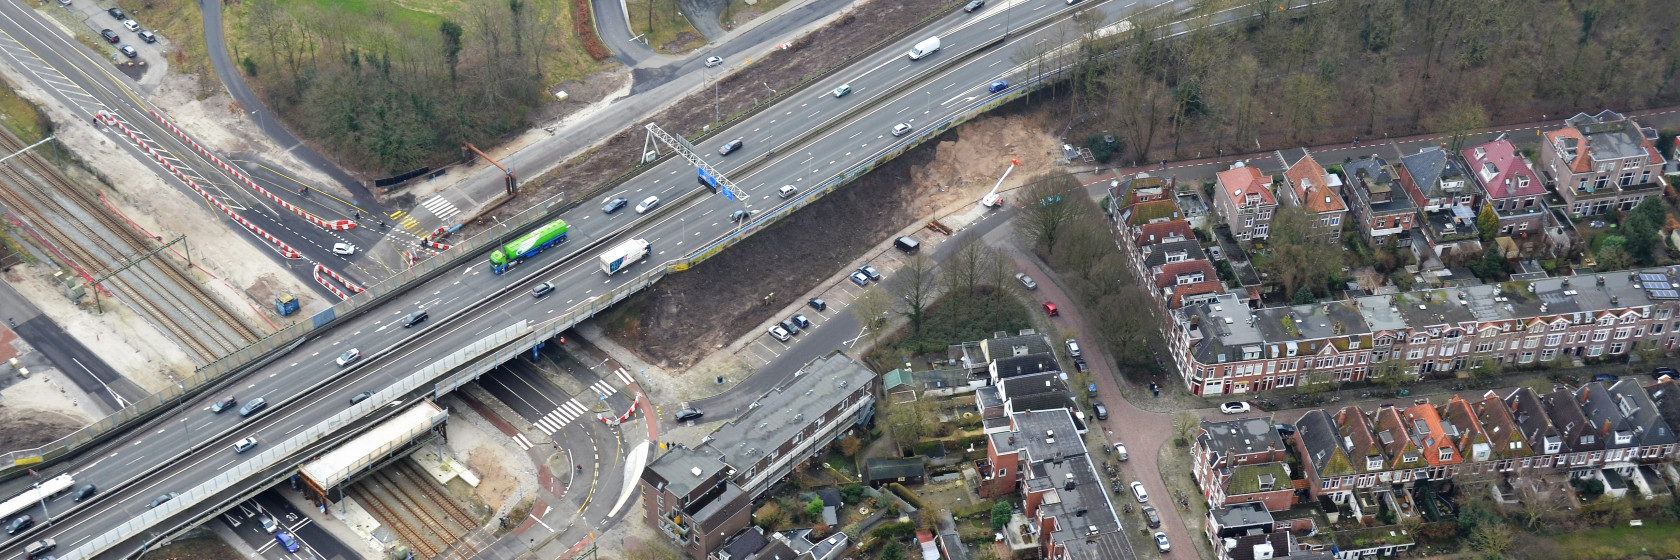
40 492
527 246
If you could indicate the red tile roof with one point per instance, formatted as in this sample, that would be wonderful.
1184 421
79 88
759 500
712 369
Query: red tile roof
1169 272
1500 170
1150 234
1239 182
1431 443
1311 185
1211 286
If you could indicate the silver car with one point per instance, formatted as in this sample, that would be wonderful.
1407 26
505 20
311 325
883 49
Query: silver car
901 129
245 444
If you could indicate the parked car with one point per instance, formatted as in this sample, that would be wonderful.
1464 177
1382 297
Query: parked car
687 414
345 249
901 129
1102 411
1073 347
1235 407
1080 365
647 204
801 320
712 61
997 86
817 304
110 36
1285 430
244 445
1153 516
287 541
117 14
223 404
542 289
974 5
1137 490
615 204
860 278
1120 449
787 325
252 407
1026 281
731 146
842 90
148 37
870 271
780 333
348 356
1606 378
158 501
128 51
1665 370
131 24
1050 309
1161 543
362 396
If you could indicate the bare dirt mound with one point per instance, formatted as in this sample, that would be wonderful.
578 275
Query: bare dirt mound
22 428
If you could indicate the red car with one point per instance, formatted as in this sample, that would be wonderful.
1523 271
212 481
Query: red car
1050 309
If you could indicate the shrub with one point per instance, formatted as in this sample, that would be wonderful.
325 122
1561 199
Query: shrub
1000 514
815 508
895 530
908 496
851 493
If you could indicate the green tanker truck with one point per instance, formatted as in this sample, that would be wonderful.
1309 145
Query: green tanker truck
527 246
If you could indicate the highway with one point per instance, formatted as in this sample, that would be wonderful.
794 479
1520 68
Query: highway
465 304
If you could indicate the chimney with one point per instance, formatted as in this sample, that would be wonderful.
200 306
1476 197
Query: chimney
1601 279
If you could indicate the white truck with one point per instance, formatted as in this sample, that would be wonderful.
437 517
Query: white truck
924 48
623 255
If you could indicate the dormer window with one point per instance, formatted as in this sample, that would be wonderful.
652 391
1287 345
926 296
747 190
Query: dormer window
1373 463
1446 453
1624 438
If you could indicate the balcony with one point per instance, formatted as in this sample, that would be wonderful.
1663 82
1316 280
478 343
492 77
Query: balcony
675 525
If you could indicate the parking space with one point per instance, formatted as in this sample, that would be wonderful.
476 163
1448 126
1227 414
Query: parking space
113 33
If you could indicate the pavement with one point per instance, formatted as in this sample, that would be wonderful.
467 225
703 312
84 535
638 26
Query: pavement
63 352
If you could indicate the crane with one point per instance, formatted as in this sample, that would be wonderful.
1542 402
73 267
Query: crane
993 199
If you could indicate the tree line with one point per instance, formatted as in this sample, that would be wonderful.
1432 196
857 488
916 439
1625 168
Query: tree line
386 94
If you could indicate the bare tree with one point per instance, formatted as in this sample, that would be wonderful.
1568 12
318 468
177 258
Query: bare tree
1049 208
1297 257
914 285
1460 120
871 308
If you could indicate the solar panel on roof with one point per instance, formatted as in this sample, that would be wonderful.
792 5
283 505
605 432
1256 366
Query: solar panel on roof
1648 277
1665 294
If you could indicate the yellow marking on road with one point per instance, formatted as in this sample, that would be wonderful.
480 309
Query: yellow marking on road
396 214
410 223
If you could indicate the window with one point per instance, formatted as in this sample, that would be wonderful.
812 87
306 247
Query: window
1601 335
1626 180
1630 163
1657 328
1003 472
1662 314
1645 177
1548 354
1616 347
1446 453
1595 350
1553 339
1414 354
1526 357
1600 182
1623 332
1531 342
1560 325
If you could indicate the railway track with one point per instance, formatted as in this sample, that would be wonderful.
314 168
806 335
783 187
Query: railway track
406 500
82 231
423 548
427 485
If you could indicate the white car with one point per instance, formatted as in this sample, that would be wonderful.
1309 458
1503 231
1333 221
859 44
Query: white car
348 356
1137 490
345 249
1234 407
1120 449
647 204
1073 348
1161 543
901 129
780 333
786 191
245 444
131 24
713 61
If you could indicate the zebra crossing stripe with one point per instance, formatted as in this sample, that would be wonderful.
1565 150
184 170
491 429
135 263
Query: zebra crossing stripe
625 375
603 388
440 207
524 444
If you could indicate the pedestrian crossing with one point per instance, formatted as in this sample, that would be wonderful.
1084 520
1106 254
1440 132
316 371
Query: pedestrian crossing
521 441
624 375
603 388
559 417
441 207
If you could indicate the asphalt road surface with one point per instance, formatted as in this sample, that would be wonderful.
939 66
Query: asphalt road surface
90 373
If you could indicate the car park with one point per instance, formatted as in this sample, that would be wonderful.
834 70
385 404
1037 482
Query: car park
148 37
223 404
345 249
128 51
1234 407
268 524
244 445
415 318
1100 410
842 90
39 548
712 61
901 129
1120 449
1138 491
1161 543
110 36
687 414
615 205
740 215
131 24
85 492
780 333
1050 309
252 407
731 146
801 320
362 396
19 523
158 501
860 278
647 204
874 275
786 191
1026 281
997 86
974 5
817 304
1073 348
1153 516
542 289
787 325
287 541
348 356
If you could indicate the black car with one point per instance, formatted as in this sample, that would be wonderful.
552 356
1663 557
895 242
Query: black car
687 414
117 14
1080 365
415 318
975 5
787 325
817 304
85 492
158 501
110 36
740 216
542 289
1665 370
615 205
19 523
1102 411
362 396
223 404
731 146
1606 378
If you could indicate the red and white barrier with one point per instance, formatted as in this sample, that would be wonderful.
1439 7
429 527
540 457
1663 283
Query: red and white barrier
628 413
430 239
319 268
335 225
285 250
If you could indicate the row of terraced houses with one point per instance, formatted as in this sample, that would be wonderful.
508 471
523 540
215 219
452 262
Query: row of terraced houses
1223 345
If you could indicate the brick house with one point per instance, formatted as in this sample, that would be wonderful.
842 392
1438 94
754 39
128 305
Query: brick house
1243 196
1186 282
1436 183
1376 200
1225 451
1317 191
1582 448
1364 454
1469 438
1544 440
1511 186
1404 454
1328 469
1602 162
1435 442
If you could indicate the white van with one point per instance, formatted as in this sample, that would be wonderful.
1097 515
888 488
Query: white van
924 48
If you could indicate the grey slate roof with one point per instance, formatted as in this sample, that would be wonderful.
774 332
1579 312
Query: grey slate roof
1432 170
1666 395
1532 420
1007 346
1566 414
1240 437
1600 410
1319 436
1641 414
1026 365
1373 173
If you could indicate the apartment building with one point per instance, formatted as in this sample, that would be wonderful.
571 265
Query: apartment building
1602 162
1376 200
1243 196
1511 186
1445 199
1318 192
1241 461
